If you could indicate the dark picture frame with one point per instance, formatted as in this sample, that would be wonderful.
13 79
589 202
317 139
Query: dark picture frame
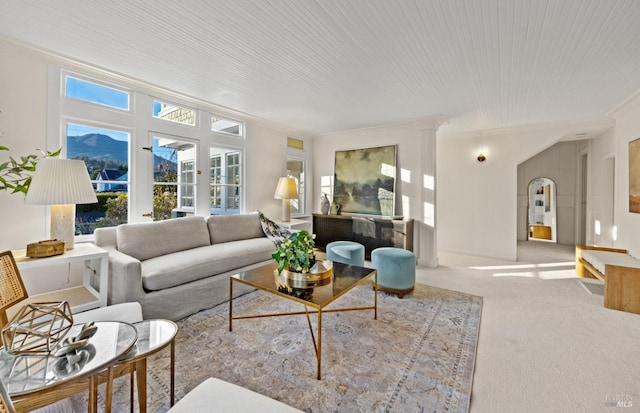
364 180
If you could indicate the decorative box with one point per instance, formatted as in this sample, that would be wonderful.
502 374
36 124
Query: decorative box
46 248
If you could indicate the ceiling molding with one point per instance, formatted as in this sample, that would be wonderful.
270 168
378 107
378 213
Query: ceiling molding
593 123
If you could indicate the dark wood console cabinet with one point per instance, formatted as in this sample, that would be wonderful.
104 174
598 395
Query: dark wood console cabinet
372 232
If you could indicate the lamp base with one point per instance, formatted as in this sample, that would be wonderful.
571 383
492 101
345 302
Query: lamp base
63 224
286 210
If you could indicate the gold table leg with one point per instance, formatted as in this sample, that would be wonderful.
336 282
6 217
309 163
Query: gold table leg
93 394
131 384
375 296
141 382
173 372
109 390
230 304
319 351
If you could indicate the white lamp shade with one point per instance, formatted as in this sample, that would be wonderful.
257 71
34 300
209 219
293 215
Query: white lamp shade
60 181
286 189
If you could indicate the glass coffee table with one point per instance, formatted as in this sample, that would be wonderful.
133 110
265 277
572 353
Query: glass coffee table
314 296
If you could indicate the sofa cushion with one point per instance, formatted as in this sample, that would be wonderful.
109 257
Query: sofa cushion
225 228
153 239
599 259
185 266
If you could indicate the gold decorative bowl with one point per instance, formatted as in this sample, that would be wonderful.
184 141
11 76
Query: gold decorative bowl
321 270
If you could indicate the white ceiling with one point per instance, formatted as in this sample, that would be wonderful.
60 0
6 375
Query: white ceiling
331 65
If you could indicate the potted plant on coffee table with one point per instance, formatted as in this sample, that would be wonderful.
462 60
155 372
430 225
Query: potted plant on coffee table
297 260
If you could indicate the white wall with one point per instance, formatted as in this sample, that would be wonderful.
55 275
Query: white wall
266 153
477 202
600 191
23 102
627 129
415 159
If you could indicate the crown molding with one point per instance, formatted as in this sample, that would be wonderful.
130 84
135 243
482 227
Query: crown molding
592 123
626 105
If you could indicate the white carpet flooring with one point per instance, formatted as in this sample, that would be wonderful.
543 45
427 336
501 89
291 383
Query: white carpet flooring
546 343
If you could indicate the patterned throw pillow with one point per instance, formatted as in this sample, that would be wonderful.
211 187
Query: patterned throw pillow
273 231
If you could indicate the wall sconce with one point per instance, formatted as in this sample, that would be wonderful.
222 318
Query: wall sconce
481 157
286 190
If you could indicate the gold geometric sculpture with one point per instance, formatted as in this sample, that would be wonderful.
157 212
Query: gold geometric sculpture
37 328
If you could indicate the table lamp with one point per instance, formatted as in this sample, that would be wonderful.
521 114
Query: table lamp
286 190
61 183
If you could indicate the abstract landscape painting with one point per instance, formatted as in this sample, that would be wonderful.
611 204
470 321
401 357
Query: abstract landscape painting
365 180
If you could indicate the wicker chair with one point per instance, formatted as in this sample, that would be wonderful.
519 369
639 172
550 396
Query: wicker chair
12 289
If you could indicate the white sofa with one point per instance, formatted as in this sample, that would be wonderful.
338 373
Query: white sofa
178 267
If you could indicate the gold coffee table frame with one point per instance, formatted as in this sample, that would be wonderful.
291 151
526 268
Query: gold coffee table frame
316 295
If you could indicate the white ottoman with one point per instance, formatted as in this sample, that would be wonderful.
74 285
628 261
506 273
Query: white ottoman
215 395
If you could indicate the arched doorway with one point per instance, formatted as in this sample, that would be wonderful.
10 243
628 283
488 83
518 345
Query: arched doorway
541 216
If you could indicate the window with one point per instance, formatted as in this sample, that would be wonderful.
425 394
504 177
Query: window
174 113
174 184
142 151
219 124
215 173
106 154
295 169
186 192
225 181
233 181
96 93
326 185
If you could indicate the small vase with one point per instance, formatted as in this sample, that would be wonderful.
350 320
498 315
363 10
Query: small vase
324 204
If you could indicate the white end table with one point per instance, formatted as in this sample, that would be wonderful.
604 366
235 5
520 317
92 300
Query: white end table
80 298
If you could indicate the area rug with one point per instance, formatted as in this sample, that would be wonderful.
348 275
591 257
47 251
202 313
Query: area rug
417 357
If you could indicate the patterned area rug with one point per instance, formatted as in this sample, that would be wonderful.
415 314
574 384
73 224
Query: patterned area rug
418 356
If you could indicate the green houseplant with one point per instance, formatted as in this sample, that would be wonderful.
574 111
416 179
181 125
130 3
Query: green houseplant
295 253
15 176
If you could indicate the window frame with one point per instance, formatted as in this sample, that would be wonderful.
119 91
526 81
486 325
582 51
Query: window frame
139 121
296 152
241 125
65 74
224 186
196 115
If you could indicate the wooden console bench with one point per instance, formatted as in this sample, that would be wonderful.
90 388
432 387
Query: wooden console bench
621 282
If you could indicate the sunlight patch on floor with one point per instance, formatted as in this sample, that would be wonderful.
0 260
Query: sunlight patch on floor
543 275
543 271
525 266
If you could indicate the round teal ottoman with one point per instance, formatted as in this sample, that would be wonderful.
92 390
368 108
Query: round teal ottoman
396 270
346 252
